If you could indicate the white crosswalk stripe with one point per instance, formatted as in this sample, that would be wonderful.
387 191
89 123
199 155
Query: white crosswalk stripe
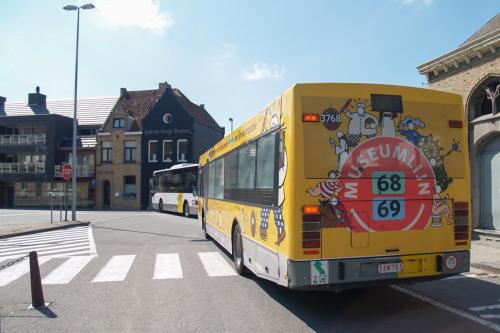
67 270
57 243
167 266
116 269
14 272
215 264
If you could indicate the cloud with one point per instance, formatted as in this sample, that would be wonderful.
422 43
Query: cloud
144 14
229 51
261 71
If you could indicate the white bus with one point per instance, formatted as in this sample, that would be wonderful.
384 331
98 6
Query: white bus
176 189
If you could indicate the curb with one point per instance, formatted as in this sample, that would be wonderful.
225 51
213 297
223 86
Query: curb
34 231
494 235
486 267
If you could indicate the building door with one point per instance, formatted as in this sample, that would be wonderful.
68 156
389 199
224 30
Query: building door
2 195
490 185
106 194
9 196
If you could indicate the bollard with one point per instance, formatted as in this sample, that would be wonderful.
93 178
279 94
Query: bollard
37 300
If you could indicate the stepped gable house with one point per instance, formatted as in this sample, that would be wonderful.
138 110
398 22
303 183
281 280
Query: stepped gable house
473 71
148 130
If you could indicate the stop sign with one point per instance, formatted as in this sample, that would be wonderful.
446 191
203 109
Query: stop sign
67 171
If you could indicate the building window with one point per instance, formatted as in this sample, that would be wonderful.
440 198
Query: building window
87 131
118 122
130 147
153 151
129 187
38 189
168 150
182 150
107 152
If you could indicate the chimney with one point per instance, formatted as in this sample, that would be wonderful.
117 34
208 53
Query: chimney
123 91
37 99
2 105
202 106
164 86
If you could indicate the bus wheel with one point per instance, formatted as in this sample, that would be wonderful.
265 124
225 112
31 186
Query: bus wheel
185 209
160 206
204 226
238 258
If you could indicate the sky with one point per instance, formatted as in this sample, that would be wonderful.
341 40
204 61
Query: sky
233 56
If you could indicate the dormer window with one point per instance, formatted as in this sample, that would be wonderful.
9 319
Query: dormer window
118 122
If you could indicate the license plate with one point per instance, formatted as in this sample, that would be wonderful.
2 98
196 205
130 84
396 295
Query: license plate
394 267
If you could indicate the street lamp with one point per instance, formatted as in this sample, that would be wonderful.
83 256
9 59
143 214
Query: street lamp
231 121
73 160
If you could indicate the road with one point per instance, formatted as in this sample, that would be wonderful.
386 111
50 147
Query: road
122 289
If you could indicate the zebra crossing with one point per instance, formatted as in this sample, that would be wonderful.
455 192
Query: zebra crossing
75 241
167 266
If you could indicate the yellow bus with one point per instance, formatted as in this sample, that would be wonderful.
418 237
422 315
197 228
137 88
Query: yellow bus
342 185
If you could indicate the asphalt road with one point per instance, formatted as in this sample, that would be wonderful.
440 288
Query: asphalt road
196 302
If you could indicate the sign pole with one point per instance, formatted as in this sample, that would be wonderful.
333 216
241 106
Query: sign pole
67 173
66 201
51 207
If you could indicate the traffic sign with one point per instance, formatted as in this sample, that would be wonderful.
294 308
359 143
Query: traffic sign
67 171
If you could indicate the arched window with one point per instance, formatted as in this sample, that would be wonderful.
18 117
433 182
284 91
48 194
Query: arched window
479 104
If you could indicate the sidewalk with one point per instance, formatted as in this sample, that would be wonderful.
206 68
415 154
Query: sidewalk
11 230
485 254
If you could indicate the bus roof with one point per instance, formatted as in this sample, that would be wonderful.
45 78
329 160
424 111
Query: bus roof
177 167
245 132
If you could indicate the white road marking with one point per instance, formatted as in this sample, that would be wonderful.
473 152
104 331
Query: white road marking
67 270
44 250
449 308
215 264
63 242
167 266
93 249
15 271
486 307
116 269
462 276
43 237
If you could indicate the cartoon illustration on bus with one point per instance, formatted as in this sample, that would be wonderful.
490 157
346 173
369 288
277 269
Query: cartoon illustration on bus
361 124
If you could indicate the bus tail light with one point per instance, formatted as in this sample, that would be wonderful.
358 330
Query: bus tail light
308 210
310 118
311 228
311 244
461 226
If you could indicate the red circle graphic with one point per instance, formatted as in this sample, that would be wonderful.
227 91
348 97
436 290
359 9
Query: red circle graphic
388 185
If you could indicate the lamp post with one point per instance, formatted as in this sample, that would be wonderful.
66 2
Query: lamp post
73 159
231 121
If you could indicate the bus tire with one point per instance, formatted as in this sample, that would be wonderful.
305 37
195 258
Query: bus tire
204 226
185 209
160 205
238 258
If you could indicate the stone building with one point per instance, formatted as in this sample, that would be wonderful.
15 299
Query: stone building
473 71
148 130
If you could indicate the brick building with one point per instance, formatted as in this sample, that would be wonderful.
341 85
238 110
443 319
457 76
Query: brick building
148 130
473 71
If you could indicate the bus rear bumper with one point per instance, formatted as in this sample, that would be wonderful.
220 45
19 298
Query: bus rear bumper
340 274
